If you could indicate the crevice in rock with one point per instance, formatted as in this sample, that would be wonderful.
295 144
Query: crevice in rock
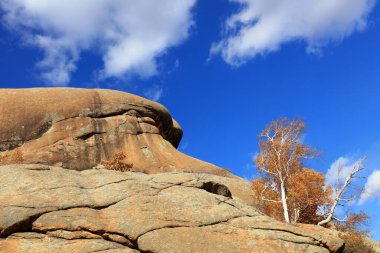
170 185
101 234
73 186
26 224
211 187
318 242
301 243
216 188
25 235
225 202
141 133
88 135
163 227
8 145
221 221
184 226
102 250
97 115
71 240
40 168
105 235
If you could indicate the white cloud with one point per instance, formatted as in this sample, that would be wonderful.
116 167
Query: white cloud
263 26
249 170
155 93
372 187
128 34
340 169
254 156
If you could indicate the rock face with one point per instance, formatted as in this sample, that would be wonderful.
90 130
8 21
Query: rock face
78 128
51 209
55 198
375 245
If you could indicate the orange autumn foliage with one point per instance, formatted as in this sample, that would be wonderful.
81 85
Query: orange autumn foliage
354 233
118 163
281 148
15 158
279 161
306 195
356 222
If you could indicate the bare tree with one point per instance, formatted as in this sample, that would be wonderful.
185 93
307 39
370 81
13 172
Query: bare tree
341 190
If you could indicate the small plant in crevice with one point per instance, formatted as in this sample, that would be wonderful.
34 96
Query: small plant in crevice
2 158
14 158
118 163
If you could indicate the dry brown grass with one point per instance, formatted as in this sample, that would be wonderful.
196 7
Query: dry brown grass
356 243
118 163
2 159
354 233
14 158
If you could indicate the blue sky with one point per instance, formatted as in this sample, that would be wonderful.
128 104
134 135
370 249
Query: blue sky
223 68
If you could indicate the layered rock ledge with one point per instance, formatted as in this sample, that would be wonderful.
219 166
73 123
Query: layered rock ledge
51 209
79 128
55 198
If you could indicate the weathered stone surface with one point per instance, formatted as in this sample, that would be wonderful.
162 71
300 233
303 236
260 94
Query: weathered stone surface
78 128
40 243
374 244
180 204
60 210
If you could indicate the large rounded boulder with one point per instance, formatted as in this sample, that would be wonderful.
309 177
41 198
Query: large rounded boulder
79 128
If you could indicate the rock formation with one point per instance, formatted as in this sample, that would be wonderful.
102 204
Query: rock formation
78 128
55 198
51 209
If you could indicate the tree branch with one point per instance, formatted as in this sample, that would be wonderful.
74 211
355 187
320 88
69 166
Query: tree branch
357 167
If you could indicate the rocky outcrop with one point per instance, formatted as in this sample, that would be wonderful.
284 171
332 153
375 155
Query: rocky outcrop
54 196
374 244
79 128
51 209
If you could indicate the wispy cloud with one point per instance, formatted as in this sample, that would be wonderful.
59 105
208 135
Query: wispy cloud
249 170
154 93
372 187
263 26
128 35
340 169
183 146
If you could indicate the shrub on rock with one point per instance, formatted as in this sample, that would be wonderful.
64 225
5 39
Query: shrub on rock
118 163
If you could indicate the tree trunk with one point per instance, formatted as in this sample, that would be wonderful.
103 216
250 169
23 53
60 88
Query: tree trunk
329 217
296 215
357 167
284 203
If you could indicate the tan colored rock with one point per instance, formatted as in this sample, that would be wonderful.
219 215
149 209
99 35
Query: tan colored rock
79 128
374 244
39 243
43 207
